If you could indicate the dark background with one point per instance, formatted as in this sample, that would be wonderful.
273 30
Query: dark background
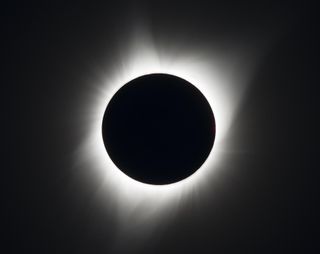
268 200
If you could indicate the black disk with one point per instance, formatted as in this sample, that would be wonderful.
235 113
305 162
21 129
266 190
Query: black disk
158 129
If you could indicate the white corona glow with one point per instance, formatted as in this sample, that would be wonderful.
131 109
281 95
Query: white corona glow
213 74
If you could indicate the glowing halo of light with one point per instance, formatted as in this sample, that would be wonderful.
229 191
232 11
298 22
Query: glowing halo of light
217 81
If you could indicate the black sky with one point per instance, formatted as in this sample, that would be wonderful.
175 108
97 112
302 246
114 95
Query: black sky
267 200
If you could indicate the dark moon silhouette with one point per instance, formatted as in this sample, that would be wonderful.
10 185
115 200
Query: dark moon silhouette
158 129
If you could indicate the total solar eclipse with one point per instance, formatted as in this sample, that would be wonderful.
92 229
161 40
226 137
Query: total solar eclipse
158 129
